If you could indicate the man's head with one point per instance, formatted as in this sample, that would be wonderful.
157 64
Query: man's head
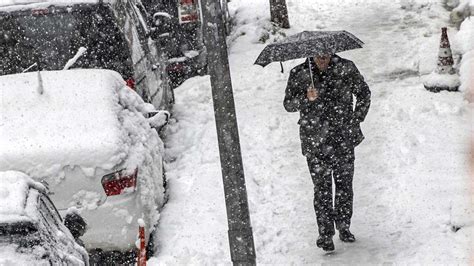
322 61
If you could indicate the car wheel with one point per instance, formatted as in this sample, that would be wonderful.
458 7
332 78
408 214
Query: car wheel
150 247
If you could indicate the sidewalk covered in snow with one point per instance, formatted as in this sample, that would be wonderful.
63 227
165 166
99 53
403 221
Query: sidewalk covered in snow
412 186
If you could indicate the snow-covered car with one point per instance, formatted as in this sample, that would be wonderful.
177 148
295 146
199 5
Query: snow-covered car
45 34
31 229
88 135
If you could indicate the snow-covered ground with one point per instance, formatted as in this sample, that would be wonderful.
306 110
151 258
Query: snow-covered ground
411 184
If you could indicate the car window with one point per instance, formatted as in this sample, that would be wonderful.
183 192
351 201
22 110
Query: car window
51 39
142 16
54 212
51 222
138 20
17 228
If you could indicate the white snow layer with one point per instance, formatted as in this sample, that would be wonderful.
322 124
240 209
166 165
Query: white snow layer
441 80
411 184
14 189
84 118
461 10
465 45
86 123
74 122
10 257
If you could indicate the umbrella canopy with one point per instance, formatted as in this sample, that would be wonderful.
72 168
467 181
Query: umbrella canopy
308 44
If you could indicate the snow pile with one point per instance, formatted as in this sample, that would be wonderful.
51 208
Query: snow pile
10 257
14 190
462 9
464 41
441 80
254 23
193 225
143 149
140 141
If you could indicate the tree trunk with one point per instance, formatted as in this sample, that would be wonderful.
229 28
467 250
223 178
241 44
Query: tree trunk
279 13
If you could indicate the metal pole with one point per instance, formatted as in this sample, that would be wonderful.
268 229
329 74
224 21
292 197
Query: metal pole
279 13
241 243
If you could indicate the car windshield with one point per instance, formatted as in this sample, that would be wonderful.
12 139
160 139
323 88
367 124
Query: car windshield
17 228
51 37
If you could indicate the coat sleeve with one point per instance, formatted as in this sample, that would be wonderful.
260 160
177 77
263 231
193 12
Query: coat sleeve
295 98
362 93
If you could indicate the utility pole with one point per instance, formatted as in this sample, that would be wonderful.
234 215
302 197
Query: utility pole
241 243
279 13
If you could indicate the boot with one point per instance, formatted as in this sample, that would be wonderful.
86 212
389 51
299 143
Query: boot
346 236
325 243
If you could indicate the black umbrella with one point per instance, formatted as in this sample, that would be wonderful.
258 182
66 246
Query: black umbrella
308 44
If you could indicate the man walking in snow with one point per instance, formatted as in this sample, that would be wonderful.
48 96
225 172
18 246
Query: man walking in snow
322 90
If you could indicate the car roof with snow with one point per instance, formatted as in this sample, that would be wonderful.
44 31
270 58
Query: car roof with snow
61 118
18 197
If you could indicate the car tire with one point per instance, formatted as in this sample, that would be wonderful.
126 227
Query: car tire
150 247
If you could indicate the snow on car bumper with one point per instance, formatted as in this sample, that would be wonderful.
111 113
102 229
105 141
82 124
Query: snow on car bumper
113 225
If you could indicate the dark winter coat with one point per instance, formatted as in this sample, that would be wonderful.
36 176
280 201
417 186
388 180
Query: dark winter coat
330 122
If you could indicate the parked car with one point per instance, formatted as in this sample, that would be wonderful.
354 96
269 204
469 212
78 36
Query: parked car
86 134
31 229
45 35
179 30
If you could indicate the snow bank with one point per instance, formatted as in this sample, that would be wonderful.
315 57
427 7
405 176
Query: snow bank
462 9
253 22
441 80
193 225
464 44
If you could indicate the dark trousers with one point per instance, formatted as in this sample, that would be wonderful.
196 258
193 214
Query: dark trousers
340 167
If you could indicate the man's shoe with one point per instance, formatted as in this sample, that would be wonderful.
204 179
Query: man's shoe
346 236
325 243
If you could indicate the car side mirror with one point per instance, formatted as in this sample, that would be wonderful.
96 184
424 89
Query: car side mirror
158 119
76 224
161 26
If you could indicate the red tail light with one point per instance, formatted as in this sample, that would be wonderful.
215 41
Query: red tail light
130 83
177 67
40 11
116 183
